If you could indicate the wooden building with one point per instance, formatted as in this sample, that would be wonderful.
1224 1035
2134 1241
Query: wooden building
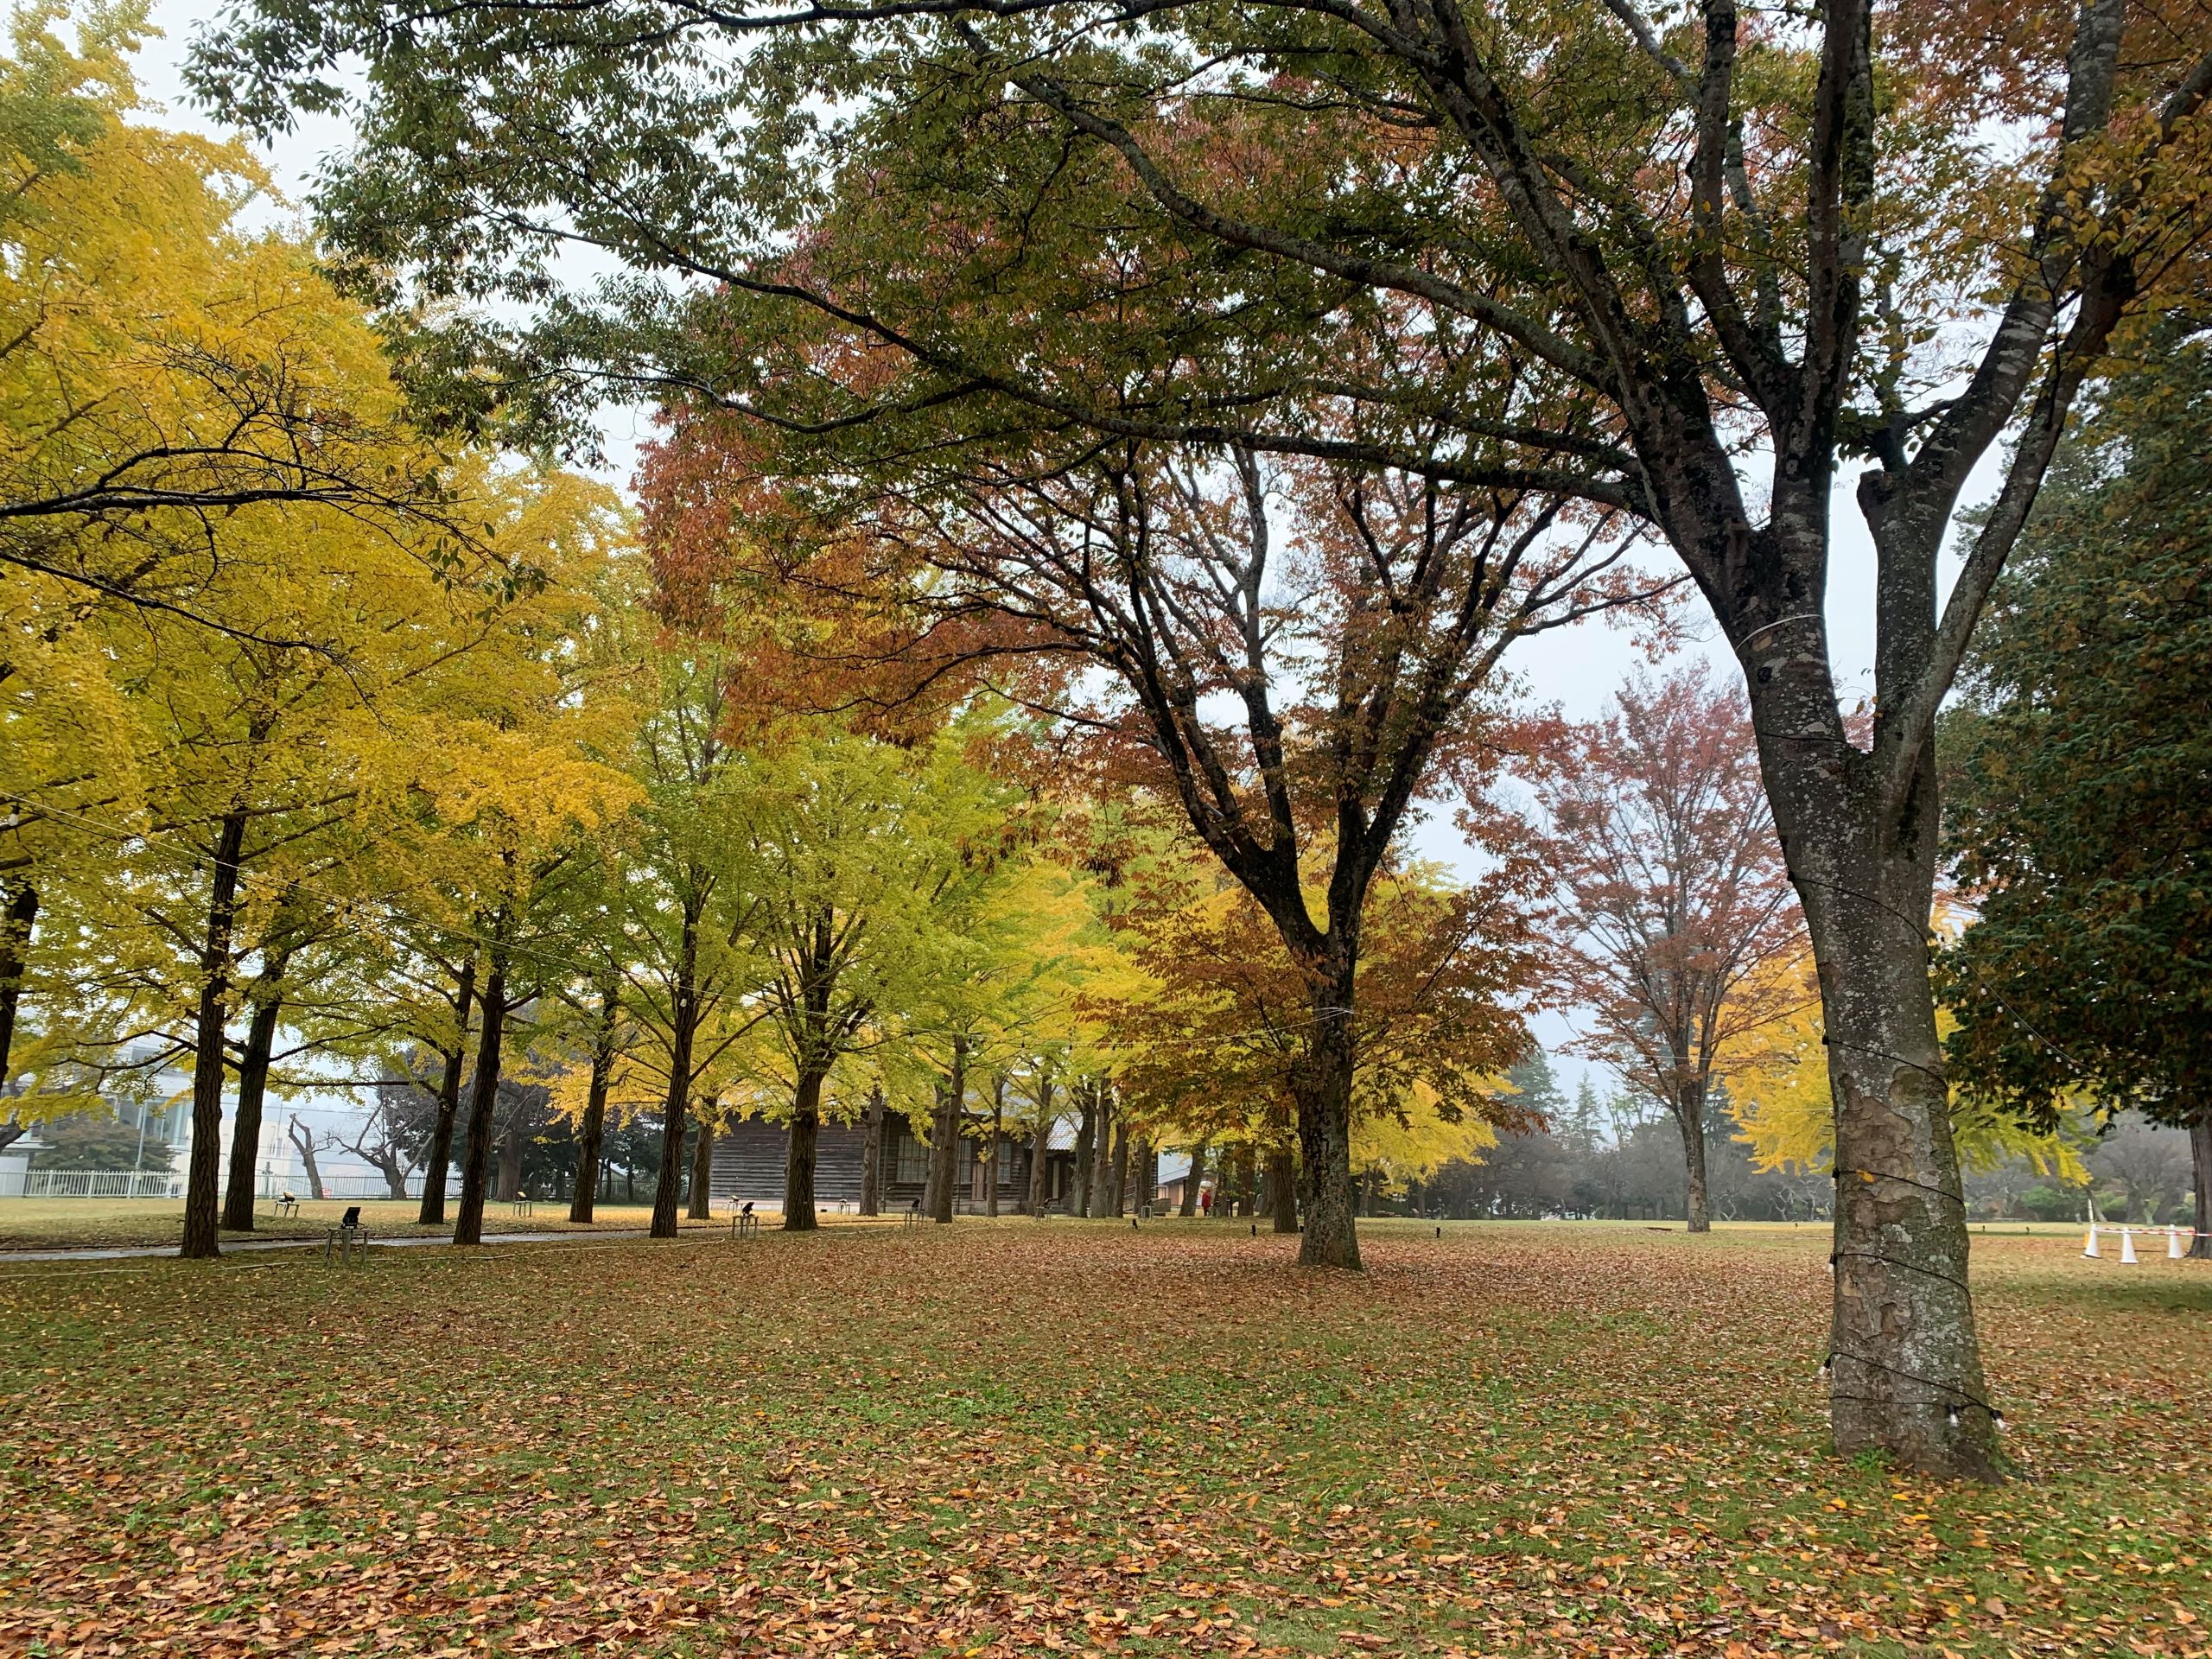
749 1158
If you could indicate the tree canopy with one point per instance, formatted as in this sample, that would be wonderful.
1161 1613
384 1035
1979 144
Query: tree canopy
2080 815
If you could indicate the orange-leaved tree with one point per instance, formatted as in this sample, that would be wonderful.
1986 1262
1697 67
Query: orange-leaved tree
1208 1034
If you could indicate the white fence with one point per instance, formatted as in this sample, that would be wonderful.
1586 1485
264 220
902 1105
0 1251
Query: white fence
350 1186
102 1183
155 1184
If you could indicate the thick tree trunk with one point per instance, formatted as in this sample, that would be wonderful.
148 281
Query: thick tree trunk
872 1153
1689 1116
1248 1182
1906 1358
1322 1087
702 1196
17 921
303 1139
683 1025
1190 1204
1086 1138
930 1173
799 1160
439 1158
483 1102
1117 1173
944 1135
591 1133
202 1171
506 1185
1102 1157
1040 1151
668 1190
245 1125
1281 1201
1144 1174
1040 1167
1907 1379
2200 1158
395 1178
991 1149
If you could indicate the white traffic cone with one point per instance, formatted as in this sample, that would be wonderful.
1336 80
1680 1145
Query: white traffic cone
2091 1249
2127 1248
2173 1245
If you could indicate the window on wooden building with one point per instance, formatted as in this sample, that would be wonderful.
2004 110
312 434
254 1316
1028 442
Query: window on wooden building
914 1160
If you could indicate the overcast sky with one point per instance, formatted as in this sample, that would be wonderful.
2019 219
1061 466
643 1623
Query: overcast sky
1576 669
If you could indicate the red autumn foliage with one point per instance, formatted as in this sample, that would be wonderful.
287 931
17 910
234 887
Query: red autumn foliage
1675 906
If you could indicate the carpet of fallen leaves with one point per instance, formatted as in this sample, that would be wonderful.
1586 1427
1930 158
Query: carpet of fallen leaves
93 1223
1051 1437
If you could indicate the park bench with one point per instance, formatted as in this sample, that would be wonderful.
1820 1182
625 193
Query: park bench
524 1206
286 1204
348 1237
744 1223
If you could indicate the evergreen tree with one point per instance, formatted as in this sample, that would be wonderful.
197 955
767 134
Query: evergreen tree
2081 815
1537 1087
1584 1121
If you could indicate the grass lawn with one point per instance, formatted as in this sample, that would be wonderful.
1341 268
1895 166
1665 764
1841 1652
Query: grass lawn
74 1224
1021 1437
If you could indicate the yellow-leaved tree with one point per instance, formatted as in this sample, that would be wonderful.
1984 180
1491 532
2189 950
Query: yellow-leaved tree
1785 1113
160 366
229 568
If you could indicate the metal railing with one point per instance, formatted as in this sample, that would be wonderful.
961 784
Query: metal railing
351 1187
102 1183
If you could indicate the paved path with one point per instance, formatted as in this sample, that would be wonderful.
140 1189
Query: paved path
237 1247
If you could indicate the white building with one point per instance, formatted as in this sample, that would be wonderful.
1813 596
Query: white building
160 1114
